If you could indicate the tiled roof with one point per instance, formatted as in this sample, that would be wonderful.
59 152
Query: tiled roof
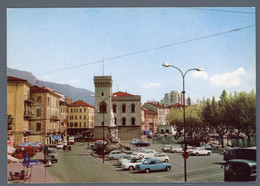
11 78
122 94
176 105
80 103
149 112
157 105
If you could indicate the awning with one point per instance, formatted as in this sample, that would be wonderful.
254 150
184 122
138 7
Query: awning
57 137
9 157
52 138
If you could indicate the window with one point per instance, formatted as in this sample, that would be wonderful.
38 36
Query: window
115 120
71 124
102 94
103 107
85 110
76 124
79 124
48 100
85 125
75 110
85 117
71 110
123 108
123 121
133 108
79 116
76 117
38 127
133 121
38 112
71 117
80 110
114 108
39 99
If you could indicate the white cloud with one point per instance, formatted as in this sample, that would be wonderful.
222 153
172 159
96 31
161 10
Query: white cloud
231 79
73 81
151 85
200 74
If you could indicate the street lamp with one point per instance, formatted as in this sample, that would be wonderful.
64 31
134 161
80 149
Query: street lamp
183 92
103 123
190 120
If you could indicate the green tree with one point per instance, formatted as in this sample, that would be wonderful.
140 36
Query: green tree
10 121
175 118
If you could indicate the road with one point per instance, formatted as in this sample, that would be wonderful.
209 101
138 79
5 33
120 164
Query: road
78 166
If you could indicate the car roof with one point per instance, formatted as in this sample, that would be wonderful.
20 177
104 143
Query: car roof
250 162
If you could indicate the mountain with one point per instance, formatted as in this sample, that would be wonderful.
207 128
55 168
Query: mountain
67 90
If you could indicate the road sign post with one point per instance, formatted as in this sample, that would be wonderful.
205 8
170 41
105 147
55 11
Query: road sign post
185 154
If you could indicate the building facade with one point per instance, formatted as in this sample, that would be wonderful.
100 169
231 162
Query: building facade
80 117
124 107
149 121
19 106
171 98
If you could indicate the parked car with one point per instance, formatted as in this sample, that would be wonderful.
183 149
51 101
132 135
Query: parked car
142 143
166 148
146 153
116 154
176 148
59 145
135 140
240 170
131 165
152 164
161 156
71 140
199 151
128 158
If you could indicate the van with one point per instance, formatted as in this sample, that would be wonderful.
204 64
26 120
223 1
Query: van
50 153
240 170
71 140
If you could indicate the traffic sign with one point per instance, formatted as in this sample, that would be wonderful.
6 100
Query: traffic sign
185 154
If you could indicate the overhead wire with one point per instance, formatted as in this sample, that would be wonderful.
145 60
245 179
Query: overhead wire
151 49
221 10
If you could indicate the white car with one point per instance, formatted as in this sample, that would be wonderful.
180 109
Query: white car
128 158
59 146
131 165
146 153
135 140
176 148
116 154
161 156
166 148
199 151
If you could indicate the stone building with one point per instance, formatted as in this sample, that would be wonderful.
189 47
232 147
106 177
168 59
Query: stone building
126 109
80 117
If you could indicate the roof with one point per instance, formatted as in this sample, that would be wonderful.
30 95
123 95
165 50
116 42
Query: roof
36 89
146 111
80 103
250 162
157 105
176 105
11 78
122 94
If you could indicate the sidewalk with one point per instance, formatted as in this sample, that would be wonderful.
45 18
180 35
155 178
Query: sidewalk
39 175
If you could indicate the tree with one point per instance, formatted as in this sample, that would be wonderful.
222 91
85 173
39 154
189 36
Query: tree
10 121
175 118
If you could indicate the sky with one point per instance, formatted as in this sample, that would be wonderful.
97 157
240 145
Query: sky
72 45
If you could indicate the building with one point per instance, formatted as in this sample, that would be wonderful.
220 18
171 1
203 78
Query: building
149 121
171 98
124 107
63 119
45 123
80 117
161 110
19 106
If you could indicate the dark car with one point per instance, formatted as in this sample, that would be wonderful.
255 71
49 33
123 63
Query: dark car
240 170
142 143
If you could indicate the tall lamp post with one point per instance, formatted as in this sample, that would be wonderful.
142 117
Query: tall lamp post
183 92
103 123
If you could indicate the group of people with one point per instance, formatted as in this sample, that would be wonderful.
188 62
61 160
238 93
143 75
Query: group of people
66 148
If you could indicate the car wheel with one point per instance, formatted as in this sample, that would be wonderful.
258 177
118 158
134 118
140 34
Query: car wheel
56 161
197 154
147 170
111 158
208 154
131 168
167 168
166 160
175 151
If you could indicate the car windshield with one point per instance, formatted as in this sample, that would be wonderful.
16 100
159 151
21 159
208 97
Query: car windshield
145 162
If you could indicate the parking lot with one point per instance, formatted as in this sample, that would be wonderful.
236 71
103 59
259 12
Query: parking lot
79 166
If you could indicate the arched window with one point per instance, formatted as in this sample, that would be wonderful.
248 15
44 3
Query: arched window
123 108
76 124
114 108
79 124
103 107
102 94
133 108
115 120
133 121
71 124
123 121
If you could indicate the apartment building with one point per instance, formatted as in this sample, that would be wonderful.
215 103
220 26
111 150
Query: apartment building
19 106
149 121
80 117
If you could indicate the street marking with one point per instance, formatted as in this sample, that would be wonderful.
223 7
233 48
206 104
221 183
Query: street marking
207 176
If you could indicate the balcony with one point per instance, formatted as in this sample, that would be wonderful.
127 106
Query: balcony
54 118
28 100
28 114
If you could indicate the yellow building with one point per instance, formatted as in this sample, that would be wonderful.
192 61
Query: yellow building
80 117
19 106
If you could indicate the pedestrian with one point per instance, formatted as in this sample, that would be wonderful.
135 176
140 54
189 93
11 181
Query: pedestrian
64 147
69 147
